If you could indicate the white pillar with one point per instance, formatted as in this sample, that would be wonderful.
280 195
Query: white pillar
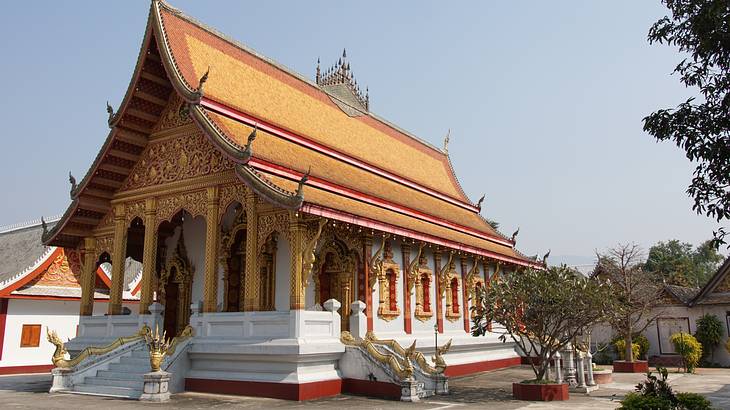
581 371
589 364
358 320
558 369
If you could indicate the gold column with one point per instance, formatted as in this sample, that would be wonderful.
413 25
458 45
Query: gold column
210 281
119 256
296 229
87 275
251 276
149 254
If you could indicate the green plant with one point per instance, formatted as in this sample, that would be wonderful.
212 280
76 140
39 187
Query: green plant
693 401
689 348
541 310
621 349
709 334
655 393
635 401
636 338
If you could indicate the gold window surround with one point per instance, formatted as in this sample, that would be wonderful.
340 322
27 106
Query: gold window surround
453 311
388 296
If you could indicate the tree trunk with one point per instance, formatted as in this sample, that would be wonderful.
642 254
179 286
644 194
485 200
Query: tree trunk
629 351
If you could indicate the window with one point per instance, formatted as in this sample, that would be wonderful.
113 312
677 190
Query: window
392 290
31 336
426 286
455 296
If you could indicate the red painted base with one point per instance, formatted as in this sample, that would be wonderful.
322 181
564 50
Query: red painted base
286 391
530 360
638 366
540 392
604 377
469 368
371 388
41 368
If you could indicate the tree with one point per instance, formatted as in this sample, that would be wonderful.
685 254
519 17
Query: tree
635 292
680 264
700 126
541 310
709 334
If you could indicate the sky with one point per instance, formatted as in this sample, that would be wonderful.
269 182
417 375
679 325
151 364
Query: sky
544 101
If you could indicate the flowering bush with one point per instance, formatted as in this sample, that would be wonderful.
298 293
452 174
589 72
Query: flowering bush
621 349
689 348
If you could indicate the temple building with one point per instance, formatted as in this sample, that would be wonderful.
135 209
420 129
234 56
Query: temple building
278 221
40 287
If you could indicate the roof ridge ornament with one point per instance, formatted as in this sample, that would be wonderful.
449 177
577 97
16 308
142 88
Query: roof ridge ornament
446 141
111 113
514 235
74 185
199 91
300 187
45 227
341 74
247 152
545 257
480 201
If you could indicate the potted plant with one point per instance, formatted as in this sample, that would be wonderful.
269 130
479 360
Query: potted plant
541 311
636 293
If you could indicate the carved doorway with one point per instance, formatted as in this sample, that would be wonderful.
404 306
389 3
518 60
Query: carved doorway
233 260
336 280
175 289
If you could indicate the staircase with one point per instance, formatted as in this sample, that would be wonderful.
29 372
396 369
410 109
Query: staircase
124 379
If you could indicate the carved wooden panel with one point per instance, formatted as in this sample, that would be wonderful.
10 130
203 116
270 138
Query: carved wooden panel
176 114
174 159
194 202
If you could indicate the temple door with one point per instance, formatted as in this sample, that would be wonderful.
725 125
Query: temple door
171 307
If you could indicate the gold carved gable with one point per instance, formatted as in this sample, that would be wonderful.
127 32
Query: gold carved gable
723 286
174 159
176 114
64 271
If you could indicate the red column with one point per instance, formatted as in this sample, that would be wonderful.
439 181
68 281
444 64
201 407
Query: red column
465 294
406 253
367 254
439 299
3 317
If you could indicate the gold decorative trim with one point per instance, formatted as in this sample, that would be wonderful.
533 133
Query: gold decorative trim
59 355
402 368
385 311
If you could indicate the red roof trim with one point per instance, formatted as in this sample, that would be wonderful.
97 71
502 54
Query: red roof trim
70 298
239 116
33 274
349 193
395 230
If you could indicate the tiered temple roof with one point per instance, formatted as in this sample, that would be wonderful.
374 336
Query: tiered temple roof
364 170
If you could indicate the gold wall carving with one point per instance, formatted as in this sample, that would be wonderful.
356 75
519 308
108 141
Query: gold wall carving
176 114
193 202
229 194
423 296
270 222
180 157
388 267
135 210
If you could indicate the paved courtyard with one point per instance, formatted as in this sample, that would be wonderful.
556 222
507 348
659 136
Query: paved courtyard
492 388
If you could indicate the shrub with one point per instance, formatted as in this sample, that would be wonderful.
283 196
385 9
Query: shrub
621 349
656 394
693 401
636 338
709 334
635 401
689 348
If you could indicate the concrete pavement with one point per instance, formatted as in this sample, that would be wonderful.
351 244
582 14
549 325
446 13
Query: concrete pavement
493 389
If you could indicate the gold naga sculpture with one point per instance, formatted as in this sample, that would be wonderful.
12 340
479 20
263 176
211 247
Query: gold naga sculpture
157 345
402 368
59 355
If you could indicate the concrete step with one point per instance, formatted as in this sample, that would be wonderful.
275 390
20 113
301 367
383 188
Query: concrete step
130 368
141 353
141 361
103 381
113 391
110 374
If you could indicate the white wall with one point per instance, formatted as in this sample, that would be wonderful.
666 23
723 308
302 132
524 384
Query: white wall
283 273
61 316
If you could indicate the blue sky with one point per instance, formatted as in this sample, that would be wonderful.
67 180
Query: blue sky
544 101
